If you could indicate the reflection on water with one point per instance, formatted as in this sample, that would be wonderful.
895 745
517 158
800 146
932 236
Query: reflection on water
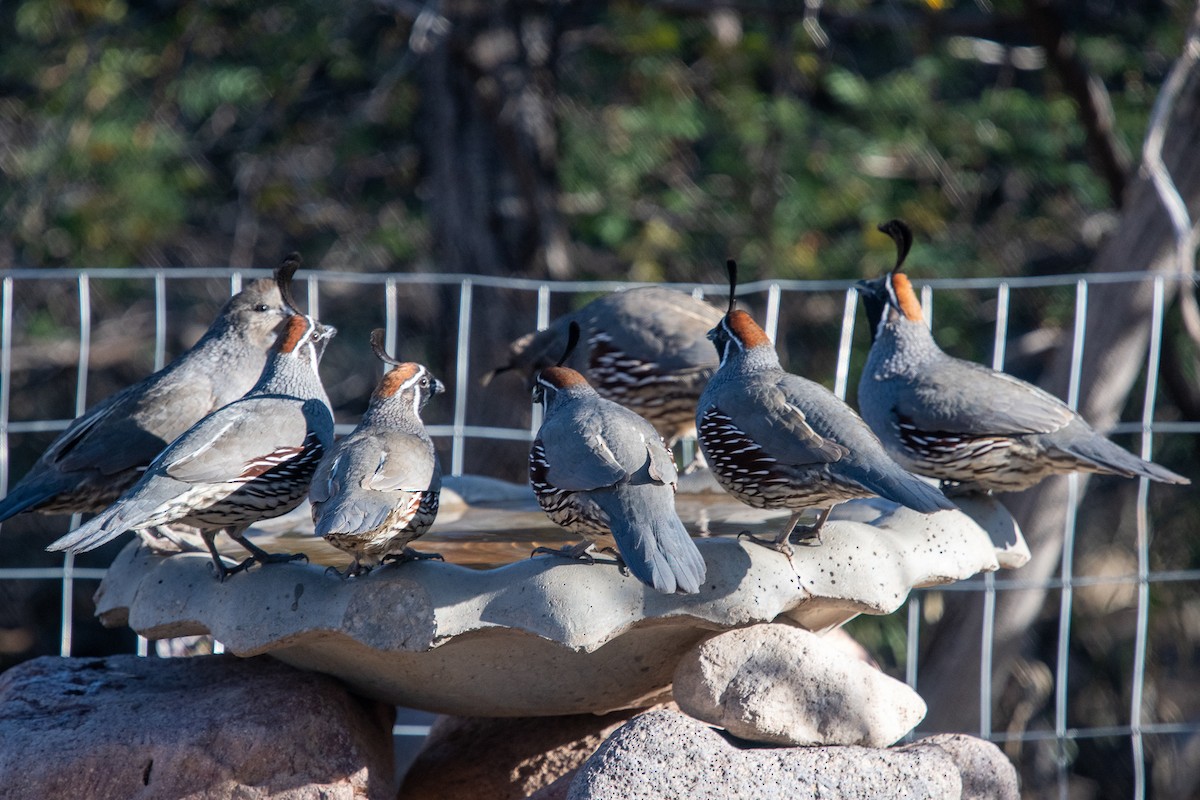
482 538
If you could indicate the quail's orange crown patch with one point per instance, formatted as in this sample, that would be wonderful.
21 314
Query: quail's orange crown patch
396 378
910 306
293 331
743 326
563 377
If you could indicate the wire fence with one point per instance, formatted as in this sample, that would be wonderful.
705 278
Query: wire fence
462 433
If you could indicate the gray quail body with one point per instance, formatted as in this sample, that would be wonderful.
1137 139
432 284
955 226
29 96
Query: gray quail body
377 489
249 460
776 440
643 348
602 472
104 451
962 422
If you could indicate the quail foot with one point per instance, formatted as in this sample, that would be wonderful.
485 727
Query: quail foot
377 489
105 450
962 422
604 473
776 440
250 460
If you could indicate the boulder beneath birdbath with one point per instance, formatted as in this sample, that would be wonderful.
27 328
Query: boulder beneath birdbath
540 637
778 684
207 727
667 754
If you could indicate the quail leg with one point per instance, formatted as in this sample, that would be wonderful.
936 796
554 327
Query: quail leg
218 564
262 556
791 533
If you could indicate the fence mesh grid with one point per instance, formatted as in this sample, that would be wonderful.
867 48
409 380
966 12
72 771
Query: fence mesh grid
769 294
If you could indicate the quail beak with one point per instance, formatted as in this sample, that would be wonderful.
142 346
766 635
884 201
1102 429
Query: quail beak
324 332
437 387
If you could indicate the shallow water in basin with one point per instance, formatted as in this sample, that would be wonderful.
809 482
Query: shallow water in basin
486 537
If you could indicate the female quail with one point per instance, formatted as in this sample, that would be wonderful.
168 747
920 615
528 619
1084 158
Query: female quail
644 348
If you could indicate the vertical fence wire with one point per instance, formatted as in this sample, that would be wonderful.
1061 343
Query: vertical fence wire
988 635
541 323
67 628
6 315
1138 679
841 377
1067 571
391 315
771 327
461 378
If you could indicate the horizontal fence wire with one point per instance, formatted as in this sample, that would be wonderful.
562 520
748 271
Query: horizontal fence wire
770 293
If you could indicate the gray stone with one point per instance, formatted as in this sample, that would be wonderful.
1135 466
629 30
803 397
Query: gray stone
465 758
987 774
779 684
206 727
664 754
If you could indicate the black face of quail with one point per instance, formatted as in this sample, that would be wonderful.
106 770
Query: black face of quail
875 300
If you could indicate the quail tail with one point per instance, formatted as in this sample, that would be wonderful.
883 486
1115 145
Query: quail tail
906 489
652 541
1105 456
100 529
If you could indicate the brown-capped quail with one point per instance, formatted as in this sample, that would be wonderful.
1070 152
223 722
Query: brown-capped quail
776 440
962 422
377 489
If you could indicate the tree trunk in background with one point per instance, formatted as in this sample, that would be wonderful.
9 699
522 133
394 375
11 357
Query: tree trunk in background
489 145
1117 334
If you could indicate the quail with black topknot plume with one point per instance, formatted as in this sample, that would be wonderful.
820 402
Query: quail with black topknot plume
776 440
962 422
643 348
107 448
247 461
377 490
604 473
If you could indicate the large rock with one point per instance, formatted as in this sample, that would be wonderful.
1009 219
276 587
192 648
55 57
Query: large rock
783 685
664 754
208 727
465 758
539 637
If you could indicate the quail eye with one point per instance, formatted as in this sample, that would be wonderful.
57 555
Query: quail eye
424 383
262 307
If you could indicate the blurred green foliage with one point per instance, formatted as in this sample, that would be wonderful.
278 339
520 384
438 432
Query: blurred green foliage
153 133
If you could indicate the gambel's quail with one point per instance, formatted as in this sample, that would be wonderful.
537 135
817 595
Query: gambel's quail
106 449
776 440
250 460
644 348
377 489
602 472
963 422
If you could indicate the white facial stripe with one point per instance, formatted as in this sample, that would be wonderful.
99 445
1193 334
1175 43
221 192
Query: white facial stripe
891 290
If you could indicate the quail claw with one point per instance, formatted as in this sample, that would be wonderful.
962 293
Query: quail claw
408 554
577 552
224 572
776 545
